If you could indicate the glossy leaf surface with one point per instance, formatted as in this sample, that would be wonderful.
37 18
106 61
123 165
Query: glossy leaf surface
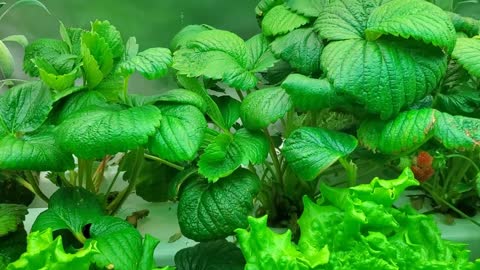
209 211
309 151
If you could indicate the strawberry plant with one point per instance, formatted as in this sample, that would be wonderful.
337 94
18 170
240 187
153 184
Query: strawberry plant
364 83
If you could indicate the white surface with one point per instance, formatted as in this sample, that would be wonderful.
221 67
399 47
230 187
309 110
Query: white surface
162 224
462 230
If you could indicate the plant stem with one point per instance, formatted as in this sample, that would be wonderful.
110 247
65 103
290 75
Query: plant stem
114 180
25 184
12 80
73 178
163 161
98 175
80 237
351 170
265 172
313 118
89 176
466 158
456 173
274 156
34 182
81 172
252 168
125 89
451 206
240 94
136 168
85 170
65 182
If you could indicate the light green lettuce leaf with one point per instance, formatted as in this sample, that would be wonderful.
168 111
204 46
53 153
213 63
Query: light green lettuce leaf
356 228
45 253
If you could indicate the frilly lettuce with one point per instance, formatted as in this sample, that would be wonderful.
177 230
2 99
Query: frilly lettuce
355 228
45 253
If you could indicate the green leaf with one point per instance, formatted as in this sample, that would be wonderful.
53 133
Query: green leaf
77 210
119 243
230 109
265 250
131 48
384 75
181 97
50 50
25 107
180 134
309 151
50 76
210 136
19 39
345 19
264 6
7 64
222 55
152 63
457 132
64 35
69 208
227 153
466 25
12 246
411 129
214 255
197 87
301 48
385 192
111 35
67 92
97 132
279 20
309 8
97 58
111 87
147 261
45 253
467 54
187 34
408 131
260 57
77 102
12 192
314 239
311 94
73 37
412 18
263 107
461 102
155 182
209 211
11 215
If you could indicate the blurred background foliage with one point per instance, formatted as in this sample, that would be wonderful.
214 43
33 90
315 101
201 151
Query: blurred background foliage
153 23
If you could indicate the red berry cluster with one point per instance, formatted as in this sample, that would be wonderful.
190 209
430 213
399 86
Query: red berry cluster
422 168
